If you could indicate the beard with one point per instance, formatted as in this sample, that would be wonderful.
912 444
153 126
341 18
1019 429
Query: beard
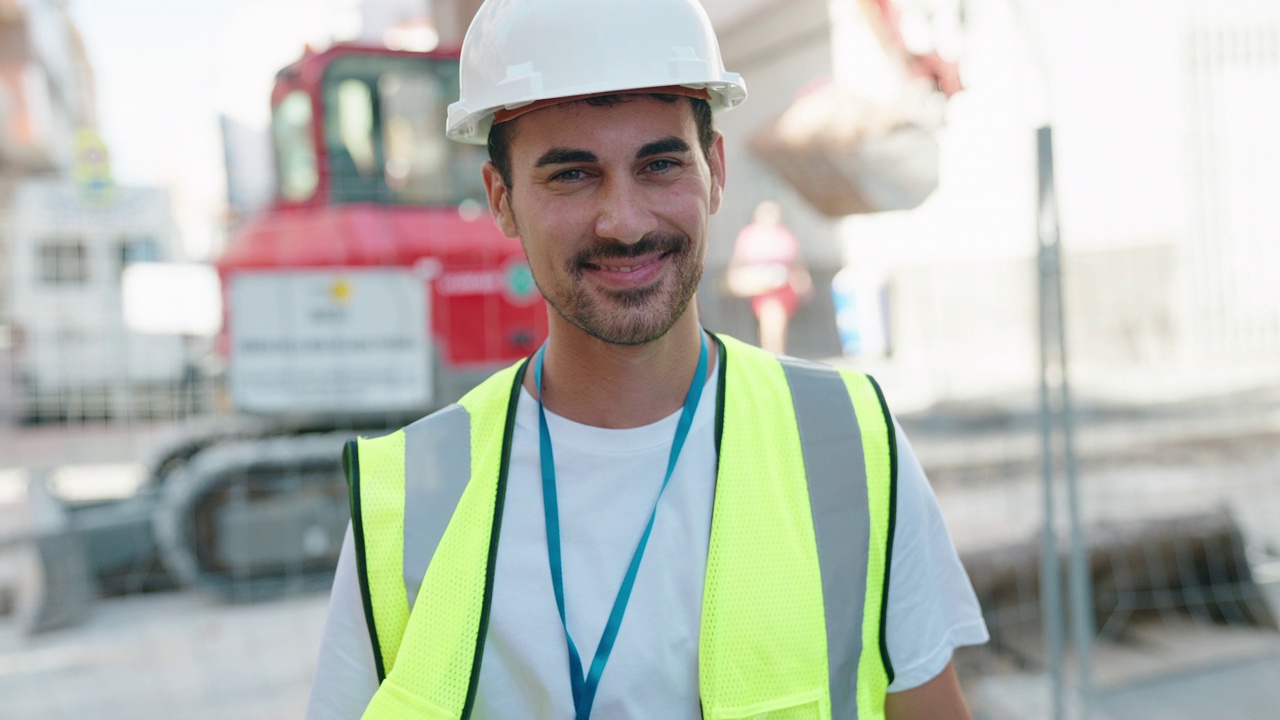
634 316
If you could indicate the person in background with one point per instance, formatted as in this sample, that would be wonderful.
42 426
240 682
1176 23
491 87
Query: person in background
643 519
766 268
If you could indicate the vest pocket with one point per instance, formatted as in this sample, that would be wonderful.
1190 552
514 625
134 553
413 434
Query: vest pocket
812 705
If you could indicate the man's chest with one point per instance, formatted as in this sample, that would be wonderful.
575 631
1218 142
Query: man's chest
605 499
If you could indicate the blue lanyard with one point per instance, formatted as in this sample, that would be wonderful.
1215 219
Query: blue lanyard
584 689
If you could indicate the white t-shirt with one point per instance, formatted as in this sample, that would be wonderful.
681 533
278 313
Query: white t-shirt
606 482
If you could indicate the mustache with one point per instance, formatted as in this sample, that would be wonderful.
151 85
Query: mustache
659 243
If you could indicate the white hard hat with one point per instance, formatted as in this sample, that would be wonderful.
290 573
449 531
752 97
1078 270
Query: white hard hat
519 52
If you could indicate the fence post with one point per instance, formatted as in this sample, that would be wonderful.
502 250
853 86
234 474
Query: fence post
1056 418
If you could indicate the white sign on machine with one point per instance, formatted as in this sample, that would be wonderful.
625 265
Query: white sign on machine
344 341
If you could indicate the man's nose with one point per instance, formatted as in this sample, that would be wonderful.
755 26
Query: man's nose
625 213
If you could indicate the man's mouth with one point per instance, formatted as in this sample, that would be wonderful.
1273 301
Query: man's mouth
627 273
619 257
622 267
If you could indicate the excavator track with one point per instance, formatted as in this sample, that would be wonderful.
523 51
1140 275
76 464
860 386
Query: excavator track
255 518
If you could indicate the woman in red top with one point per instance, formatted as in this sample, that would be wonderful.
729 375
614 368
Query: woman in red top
766 267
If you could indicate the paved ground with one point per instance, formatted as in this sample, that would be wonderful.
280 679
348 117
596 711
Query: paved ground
1166 671
163 657
1242 690
1238 690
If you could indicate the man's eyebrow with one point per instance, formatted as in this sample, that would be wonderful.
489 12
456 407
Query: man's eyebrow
562 156
671 144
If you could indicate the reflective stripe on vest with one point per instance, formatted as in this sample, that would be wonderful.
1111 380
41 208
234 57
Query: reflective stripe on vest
771 644
841 523
854 531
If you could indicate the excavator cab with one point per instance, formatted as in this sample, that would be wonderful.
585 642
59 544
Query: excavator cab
368 130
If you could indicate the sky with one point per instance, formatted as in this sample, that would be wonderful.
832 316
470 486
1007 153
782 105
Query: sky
165 71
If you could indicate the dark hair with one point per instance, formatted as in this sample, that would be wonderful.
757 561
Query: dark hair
500 134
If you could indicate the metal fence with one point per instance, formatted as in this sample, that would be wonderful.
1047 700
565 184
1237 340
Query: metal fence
1178 507
1233 78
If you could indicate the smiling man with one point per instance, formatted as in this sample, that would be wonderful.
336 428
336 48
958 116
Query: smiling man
613 213
644 519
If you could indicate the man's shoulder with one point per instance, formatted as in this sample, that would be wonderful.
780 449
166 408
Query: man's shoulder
438 420
741 349
493 394
499 388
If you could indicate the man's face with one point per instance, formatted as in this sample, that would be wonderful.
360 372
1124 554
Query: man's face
611 204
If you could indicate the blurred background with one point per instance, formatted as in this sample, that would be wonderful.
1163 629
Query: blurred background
232 236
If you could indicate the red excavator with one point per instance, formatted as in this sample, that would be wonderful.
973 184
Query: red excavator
374 289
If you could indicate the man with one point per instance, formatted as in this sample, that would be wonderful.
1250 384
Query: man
644 520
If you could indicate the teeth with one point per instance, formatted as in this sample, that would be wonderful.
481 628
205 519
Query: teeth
618 268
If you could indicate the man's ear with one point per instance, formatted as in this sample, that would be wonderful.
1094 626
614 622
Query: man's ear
716 160
499 196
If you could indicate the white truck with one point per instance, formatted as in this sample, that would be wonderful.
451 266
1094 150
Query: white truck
73 355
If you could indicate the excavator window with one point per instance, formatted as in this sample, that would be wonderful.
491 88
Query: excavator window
291 124
384 133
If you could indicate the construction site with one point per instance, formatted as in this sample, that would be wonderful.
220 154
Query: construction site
1044 228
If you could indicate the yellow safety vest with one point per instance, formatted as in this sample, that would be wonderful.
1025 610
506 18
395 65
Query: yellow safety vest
796 585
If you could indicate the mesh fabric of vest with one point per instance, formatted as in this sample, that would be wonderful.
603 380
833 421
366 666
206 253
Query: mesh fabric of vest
763 646
382 506
432 674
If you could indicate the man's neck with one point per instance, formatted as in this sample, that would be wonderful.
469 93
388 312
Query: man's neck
619 386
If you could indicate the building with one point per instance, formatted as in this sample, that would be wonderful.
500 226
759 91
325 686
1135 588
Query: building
46 96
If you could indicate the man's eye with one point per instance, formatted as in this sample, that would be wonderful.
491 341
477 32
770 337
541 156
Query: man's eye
661 165
567 176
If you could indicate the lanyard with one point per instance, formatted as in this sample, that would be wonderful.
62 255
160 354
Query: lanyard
584 689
